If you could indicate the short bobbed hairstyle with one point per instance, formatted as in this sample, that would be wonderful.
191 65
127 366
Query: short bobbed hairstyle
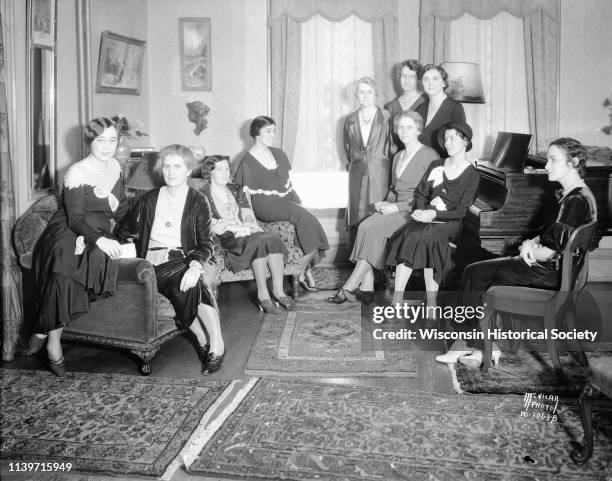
408 114
431 66
95 128
365 80
576 153
175 149
259 123
210 162
411 64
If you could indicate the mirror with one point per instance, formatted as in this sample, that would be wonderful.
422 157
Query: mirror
41 97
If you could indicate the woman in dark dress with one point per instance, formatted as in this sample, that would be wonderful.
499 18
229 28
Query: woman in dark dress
171 227
367 144
245 244
263 175
409 75
539 262
74 258
441 200
438 109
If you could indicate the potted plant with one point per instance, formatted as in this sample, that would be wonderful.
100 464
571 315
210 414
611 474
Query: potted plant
127 129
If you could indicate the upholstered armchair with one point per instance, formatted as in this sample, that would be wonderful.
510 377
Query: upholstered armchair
137 318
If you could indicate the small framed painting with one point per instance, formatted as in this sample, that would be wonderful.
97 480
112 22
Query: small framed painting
42 22
120 64
194 38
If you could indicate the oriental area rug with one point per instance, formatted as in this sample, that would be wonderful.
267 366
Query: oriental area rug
103 423
526 371
300 430
326 340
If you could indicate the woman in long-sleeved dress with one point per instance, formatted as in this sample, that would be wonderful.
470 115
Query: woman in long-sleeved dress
367 144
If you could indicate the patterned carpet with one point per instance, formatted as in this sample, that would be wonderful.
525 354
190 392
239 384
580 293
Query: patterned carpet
101 423
321 339
295 430
524 372
331 277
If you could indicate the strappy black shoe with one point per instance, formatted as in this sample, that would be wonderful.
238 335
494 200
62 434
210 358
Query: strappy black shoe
213 364
58 367
203 352
307 282
287 302
342 296
269 307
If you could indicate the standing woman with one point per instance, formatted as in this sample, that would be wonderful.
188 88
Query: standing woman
263 175
442 198
171 227
367 144
73 260
393 213
409 75
438 109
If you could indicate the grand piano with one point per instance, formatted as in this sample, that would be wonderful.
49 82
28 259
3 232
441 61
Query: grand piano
515 199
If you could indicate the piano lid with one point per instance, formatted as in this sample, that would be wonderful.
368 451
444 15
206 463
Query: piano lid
510 151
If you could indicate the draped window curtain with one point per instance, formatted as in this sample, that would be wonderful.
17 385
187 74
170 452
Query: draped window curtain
540 34
12 316
502 67
286 20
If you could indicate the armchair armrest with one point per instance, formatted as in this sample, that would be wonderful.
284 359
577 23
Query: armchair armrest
135 271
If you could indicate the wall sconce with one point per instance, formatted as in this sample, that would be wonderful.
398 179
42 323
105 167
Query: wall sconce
464 82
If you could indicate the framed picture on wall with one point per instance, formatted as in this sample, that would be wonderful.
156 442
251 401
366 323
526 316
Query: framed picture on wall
194 37
120 64
42 22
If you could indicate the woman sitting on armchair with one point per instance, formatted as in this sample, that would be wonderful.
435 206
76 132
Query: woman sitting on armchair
244 243
171 227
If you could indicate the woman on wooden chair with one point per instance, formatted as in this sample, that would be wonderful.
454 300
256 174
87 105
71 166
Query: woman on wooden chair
539 261
171 227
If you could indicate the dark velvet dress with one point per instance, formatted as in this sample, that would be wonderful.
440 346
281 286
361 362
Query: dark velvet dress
240 252
577 208
274 200
66 281
196 245
425 244
449 111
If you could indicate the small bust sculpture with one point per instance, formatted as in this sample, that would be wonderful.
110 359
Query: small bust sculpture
197 112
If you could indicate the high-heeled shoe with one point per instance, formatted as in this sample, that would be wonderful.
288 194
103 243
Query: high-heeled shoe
307 282
458 350
213 364
58 367
36 344
287 302
474 360
269 307
343 295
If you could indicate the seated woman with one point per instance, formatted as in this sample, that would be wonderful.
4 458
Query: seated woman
441 200
409 165
264 175
73 260
539 262
245 244
171 227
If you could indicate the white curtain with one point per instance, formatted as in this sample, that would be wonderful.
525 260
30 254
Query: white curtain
333 56
497 45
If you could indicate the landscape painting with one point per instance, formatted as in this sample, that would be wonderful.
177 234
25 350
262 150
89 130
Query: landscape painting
195 53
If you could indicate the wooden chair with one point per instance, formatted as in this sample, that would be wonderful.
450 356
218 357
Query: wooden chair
600 381
551 305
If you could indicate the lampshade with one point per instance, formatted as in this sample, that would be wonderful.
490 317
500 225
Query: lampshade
464 82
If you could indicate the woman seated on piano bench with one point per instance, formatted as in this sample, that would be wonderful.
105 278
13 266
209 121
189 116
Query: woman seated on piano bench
539 263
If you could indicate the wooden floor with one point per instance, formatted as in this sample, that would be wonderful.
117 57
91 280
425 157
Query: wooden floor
240 322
